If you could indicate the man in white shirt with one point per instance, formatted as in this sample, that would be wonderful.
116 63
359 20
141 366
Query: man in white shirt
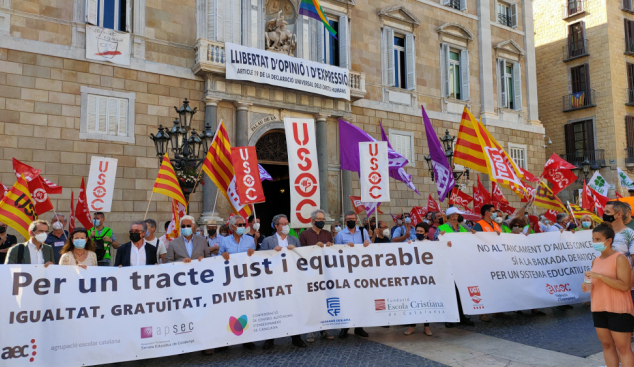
136 252
34 251
161 251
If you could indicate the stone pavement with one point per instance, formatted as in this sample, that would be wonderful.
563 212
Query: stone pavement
561 338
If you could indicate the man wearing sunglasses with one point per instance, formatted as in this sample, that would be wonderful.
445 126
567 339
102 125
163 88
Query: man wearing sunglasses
188 246
236 243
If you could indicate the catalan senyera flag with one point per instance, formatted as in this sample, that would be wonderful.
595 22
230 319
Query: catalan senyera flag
174 228
577 99
218 165
167 183
580 212
476 148
17 209
544 198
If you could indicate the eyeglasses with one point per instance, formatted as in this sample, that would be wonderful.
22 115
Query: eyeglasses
186 225
240 224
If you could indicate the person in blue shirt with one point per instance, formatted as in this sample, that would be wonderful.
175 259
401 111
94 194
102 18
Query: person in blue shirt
213 237
350 236
405 233
236 243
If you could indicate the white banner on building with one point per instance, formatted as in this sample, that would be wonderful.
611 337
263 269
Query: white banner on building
512 272
103 172
303 170
103 44
104 315
259 66
374 172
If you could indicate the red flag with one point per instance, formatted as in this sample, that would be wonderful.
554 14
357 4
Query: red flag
534 222
556 162
71 219
3 190
81 210
357 204
531 194
38 186
480 196
247 175
599 201
528 176
558 172
497 196
587 200
506 209
432 205
459 198
551 215
417 214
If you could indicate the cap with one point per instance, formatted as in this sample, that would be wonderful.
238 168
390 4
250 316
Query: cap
453 210
211 222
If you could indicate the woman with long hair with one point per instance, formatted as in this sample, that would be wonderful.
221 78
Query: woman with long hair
79 250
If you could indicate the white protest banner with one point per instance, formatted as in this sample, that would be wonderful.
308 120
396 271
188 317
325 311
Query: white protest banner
374 174
104 315
103 44
303 169
259 66
513 272
103 172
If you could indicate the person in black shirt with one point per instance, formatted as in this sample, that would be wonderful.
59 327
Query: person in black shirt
6 242
383 233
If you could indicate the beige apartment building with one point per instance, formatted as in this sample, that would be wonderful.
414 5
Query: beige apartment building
59 108
585 63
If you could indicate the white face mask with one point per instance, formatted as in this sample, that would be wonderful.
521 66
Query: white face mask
57 225
286 229
386 233
498 219
337 228
41 237
256 226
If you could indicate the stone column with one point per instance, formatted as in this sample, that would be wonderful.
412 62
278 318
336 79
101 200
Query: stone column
346 186
322 156
210 191
242 124
531 67
487 97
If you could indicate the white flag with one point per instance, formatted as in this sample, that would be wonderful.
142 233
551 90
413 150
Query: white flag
626 182
374 171
100 187
598 184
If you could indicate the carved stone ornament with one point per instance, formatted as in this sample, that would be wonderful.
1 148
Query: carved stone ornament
279 34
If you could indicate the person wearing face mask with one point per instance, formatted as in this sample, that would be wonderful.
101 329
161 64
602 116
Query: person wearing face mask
405 232
187 246
487 224
34 251
58 236
78 250
6 242
213 237
104 239
253 230
499 219
316 235
281 238
382 234
420 237
236 243
586 223
623 242
562 223
165 242
437 221
397 223
137 252
609 283
161 251
627 219
335 228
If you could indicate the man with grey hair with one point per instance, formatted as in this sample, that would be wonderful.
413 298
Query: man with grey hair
237 242
623 242
560 226
188 245
314 235
281 238
161 251
137 252
58 237
34 251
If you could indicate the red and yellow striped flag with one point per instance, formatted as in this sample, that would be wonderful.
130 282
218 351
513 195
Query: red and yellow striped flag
468 151
16 207
167 183
580 212
218 165
544 198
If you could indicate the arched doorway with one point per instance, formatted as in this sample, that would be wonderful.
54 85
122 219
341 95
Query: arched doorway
273 156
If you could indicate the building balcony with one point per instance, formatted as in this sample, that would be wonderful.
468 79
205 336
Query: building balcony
573 7
455 4
575 49
506 20
628 6
579 100
630 155
630 97
595 157
210 58
629 47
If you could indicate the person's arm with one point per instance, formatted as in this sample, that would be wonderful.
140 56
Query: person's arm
338 239
119 259
400 238
477 227
303 241
432 232
520 212
169 258
623 275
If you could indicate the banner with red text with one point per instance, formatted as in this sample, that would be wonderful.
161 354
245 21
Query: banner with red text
103 172
511 272
247 175
303 169
68 316
374 174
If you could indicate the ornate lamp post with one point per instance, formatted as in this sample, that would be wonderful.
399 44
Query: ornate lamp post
447 143
585 168
189 148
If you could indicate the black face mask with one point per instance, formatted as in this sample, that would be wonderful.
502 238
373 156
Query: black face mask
460 218
351 223
211 232
372 227
608 218
320 224
441 221
136 237
3 229
420 237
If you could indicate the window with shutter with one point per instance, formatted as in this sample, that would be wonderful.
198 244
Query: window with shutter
455 77
513 20
111 14
518 154
321 39
332 45
107 115
629 132
502 82
410 62
463 5
629 36
400 75
343 42
464 64
576 40
517 86
402 143
444 69
389 48
630 82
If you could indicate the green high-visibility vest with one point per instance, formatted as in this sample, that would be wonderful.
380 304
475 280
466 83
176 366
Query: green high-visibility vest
447 228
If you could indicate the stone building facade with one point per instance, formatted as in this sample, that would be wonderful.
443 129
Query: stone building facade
443 54
585 47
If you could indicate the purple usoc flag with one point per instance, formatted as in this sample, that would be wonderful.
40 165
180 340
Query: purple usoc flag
442 172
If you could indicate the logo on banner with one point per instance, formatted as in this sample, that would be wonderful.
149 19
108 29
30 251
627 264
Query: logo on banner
379 304
20 351
474 293
100 191
306 182
374 177
146 332
40 195
333 305
442 175
238 326
558 288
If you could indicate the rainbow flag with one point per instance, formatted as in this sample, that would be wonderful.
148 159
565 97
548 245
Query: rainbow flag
578 99
312 9
167 183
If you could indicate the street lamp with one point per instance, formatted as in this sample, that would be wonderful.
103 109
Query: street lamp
447 143
161 141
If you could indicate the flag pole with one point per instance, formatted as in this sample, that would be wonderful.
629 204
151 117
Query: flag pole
197 179
215 201
399 196
148 204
